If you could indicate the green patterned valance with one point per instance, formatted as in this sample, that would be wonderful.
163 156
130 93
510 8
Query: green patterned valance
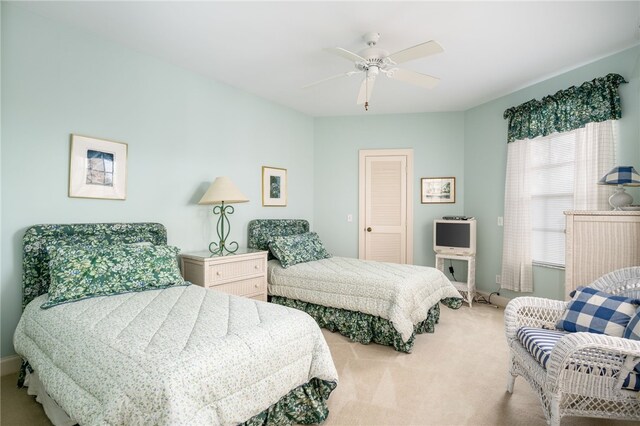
593 101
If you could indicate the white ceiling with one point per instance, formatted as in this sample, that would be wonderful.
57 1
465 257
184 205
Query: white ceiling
272 49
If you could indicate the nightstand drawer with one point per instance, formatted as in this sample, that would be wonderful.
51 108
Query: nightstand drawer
246 287
221 272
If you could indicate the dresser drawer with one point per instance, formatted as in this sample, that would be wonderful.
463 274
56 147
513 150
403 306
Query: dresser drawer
242 274
221 272
246 287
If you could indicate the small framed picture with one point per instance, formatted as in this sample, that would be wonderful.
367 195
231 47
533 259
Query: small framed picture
97 168
438 190
274 187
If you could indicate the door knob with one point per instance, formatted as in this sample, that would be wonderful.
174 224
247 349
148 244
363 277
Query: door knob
369 229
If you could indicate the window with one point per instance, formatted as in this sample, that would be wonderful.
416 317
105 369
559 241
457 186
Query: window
552 187
563 172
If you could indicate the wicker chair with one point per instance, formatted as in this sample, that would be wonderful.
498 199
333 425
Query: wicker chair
585 371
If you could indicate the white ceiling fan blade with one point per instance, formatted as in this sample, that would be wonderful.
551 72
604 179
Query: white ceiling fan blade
408 76
353 57
366 88
346 74
419 51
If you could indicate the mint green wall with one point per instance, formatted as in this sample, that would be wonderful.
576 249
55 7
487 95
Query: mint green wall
485 161
437 140
183 130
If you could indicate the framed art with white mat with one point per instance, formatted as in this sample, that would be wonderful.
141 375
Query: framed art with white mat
274 187
438 190
97 168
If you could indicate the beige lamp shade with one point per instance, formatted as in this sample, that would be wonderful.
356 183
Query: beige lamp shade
223 190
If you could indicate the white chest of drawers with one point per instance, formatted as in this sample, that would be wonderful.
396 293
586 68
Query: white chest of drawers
598 242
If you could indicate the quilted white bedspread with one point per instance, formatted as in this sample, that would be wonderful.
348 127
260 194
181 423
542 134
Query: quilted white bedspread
179 356
402 294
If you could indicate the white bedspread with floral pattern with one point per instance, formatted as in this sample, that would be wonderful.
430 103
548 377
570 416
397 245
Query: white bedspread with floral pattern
179 356
402 294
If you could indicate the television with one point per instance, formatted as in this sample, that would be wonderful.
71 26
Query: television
457 237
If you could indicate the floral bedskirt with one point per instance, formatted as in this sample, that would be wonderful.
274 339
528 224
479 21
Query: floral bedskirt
306 404
365 328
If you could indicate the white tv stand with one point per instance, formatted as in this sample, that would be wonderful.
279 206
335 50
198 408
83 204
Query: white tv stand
466 289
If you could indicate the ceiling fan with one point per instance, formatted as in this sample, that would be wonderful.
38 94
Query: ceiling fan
372 61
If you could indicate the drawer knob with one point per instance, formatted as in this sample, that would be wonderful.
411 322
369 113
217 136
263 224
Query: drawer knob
257 285
218 273
256 267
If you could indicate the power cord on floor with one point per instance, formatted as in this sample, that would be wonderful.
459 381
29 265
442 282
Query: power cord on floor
479 299
451 269
483 300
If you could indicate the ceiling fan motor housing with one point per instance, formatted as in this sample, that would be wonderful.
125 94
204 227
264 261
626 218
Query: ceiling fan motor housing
378 62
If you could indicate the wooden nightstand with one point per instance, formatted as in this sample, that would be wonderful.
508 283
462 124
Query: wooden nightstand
243 273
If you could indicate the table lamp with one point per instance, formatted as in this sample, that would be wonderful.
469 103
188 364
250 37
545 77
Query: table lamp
222 191
621 176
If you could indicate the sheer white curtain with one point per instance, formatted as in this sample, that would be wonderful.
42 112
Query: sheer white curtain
595 148
595 156
517 272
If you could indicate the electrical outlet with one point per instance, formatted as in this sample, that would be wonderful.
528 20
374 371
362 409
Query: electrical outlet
349 218
498 279
500 221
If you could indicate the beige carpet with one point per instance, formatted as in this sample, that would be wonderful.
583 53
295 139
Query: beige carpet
455 376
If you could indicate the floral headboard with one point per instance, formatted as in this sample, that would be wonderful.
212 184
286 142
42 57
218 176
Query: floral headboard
35 263
261 231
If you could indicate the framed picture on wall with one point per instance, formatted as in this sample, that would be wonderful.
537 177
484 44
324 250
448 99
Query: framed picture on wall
274 187
438 190
97 168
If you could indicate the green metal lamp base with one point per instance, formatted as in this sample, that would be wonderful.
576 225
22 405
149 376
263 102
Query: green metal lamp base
222 246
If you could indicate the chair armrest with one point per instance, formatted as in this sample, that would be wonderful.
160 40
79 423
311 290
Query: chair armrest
531 312
615 355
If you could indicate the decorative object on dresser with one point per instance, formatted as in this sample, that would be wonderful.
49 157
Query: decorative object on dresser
97 168
438 190
621 176
222 191
598 242
274 187
243 273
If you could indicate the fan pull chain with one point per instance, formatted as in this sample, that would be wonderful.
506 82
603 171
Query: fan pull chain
366 91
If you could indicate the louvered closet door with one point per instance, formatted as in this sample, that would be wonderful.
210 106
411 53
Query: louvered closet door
386 209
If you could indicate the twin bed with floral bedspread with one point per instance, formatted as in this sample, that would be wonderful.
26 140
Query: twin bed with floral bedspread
107 352
366 301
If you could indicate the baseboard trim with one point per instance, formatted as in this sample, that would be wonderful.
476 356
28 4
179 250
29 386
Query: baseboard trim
10 364
495 299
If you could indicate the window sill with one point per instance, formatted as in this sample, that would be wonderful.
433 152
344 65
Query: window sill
549 265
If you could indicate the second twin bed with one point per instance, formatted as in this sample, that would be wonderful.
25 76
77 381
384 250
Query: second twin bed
367 301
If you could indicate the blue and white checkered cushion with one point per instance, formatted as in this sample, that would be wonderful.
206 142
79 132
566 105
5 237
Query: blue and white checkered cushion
633 332
633 328
593 311
540 342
